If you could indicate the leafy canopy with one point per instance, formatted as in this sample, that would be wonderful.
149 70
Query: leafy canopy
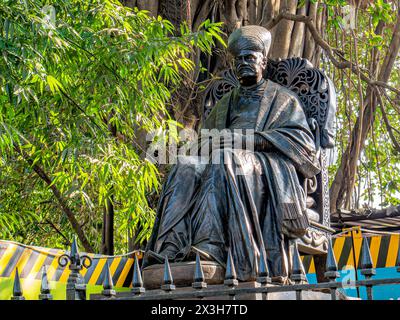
78 81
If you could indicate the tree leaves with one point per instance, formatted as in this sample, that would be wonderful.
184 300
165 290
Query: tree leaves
74 90
54 84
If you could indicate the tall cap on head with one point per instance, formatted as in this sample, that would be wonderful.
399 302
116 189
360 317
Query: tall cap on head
255 38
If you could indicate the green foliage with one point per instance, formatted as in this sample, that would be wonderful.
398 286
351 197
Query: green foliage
78 81
378 175
380 11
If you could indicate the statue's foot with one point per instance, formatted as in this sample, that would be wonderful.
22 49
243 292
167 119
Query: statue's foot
191 256
170 252
152 257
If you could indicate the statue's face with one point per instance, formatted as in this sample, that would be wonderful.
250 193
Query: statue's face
249 67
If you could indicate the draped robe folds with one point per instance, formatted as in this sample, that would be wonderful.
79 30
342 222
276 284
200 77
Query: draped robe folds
209 208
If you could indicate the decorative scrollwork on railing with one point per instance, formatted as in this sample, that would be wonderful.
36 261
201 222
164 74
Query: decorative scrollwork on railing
63 260
82 261
76 260
88 260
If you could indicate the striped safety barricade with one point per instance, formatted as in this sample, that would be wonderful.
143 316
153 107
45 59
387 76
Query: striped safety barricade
30 260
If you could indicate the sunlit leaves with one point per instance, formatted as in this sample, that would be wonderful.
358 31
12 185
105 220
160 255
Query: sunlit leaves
54 84
380 11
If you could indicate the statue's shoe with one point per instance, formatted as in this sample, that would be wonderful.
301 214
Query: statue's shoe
152 257
187 254
204 256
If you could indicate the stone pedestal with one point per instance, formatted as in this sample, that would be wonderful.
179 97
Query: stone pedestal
182 274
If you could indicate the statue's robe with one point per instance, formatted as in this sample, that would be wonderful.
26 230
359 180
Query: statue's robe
210 208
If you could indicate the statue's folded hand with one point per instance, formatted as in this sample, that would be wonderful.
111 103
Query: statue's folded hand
251 142
232 140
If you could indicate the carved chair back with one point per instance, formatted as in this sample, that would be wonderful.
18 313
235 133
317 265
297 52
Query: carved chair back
317 95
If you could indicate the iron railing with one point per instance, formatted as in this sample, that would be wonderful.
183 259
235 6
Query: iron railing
263 286
230 289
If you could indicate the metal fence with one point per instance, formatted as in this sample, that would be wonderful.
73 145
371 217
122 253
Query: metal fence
76 288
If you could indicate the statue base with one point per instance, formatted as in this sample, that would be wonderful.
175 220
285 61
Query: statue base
182 274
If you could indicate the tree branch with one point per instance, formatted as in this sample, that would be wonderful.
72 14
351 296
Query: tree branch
386 120
61 201
67 241
344 64
348 163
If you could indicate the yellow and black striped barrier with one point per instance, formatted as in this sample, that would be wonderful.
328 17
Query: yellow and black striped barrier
29 260
347 249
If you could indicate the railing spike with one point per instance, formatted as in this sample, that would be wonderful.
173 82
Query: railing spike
230 267
137 282
74 254
366 260
108 285
168 284
198 272
76 287
44 287
367 266
331 268
167 272
331 264
137 276
263 271
17 289
198 275
298 273
230 273
108 281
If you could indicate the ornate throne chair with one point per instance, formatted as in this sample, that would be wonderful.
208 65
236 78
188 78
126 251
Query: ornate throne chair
317 94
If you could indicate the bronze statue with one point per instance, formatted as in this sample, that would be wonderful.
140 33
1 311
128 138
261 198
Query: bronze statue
210 208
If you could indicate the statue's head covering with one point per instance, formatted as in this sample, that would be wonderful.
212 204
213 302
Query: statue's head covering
254 38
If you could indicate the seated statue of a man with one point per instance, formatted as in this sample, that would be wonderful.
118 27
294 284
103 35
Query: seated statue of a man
249 200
